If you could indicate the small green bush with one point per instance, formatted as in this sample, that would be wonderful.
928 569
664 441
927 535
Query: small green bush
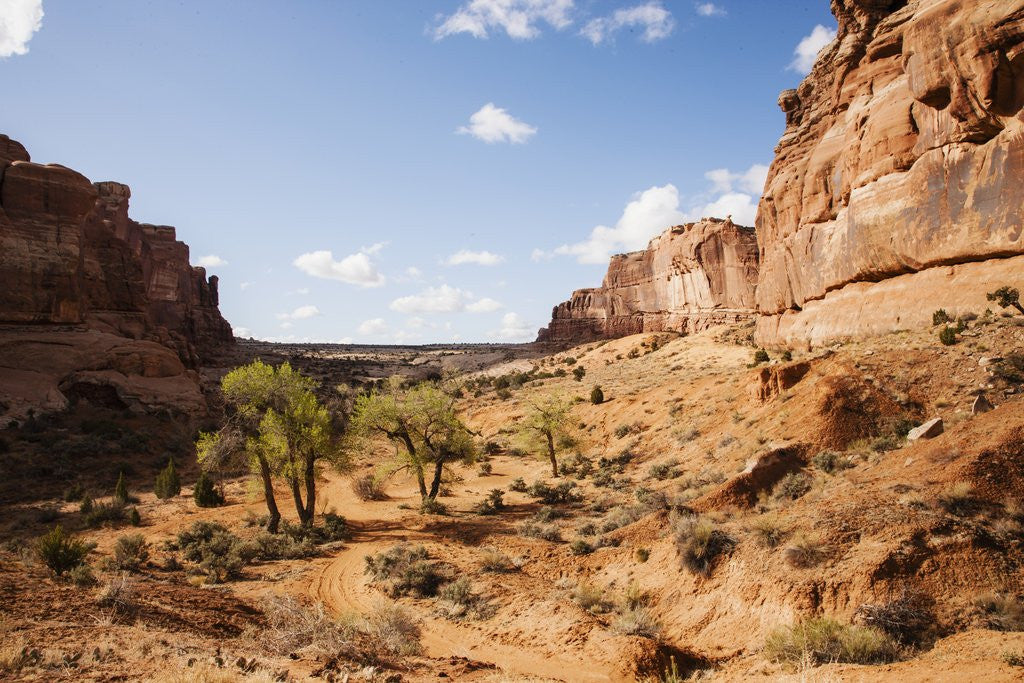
134 518
596 395
492 504
485 469
406 570
580 546
830 461
168 483
947 335
793 485
637 621
121 491
563 492
218 552
822 641
205 492
60 552
368 487
761 356
642 554
518 485
545 532
578 373
787 355
940 317
130 552
101 513
432 506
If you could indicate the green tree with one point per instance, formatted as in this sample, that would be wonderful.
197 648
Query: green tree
168 483
549 421
1006 297
422 423
121 490
281 429
205 493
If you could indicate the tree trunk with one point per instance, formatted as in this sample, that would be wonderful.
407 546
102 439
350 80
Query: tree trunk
300 509
551 454
310 490
414 462
435 485
268 494
421 481
1016 304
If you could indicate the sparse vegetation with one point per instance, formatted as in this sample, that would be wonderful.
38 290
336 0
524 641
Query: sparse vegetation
637 621
130 552
905 615
761 356
168 483
806 550
205 493
578 373
368 487
60 552
559 494
958 499
831 462
700 545
218 553
492 504
940 317
1006 297
596 395
493 560
406 570
822 640
592 598
1000 611
768 531
793 486
947 335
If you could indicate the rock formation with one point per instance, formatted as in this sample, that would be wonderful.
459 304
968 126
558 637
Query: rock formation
689 277
89 296
898 186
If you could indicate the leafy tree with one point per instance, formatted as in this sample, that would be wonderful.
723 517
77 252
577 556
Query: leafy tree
422 423
168 483
1006 297
204 492
549 421
281 429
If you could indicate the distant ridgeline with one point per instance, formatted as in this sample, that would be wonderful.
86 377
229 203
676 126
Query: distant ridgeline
896 189
93 304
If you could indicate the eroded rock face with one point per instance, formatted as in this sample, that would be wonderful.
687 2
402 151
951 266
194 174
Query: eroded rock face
900 174
75 264
689 278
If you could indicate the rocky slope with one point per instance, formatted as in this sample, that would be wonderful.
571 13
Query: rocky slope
689 277
94 304
897 185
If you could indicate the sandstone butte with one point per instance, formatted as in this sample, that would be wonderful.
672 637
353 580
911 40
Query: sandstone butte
93 304
897 188
898 185
690 277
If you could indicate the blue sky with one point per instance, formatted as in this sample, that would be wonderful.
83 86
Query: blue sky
408 171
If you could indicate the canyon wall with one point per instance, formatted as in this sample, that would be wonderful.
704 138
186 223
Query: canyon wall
690 277
898 185
85 289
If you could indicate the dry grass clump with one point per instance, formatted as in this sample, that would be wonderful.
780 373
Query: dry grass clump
700 544
958 499
768 531
792 486
1000 611
822 640
293 626
368 487
592 598
130 552
493 560
394 629
118 593
906 615
546 532
806 550
406 570
637 621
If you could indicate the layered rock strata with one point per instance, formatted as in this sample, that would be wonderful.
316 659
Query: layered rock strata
689 278
898 185
83 286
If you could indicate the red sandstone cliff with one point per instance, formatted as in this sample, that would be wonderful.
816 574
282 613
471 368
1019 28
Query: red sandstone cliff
898 186
85 289
689 277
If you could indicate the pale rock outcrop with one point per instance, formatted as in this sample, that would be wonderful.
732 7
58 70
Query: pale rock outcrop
898 185
689 278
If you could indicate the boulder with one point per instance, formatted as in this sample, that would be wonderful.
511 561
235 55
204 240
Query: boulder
928 430
981 405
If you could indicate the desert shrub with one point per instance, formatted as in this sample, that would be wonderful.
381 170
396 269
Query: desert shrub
1000 611
637 621
622 515
761 356
580 546
492 448
577 465
624 430
787 356
118 593
958 499
405 570
492 504
503 394
905 615
220 554
335 527
596 395
168 483
830 461
806 550
578 373
700 544
395 629
1010 369
267 547
563 492
432 506
60 552
665 470
822 640
368 487
1006 296
940 317
642 554
134 518
592 598
130 552
493 560
518 485
547 514
121 494
101 513
459 591
296 627
947 335
485 469
82 576
768 531
793 485
205 492
545 532
86 505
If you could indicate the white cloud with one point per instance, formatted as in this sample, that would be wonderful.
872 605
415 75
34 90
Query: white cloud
19 20
293 339
413 272
404 336
710 9
517 18
514 328
372 327
742 208
355 269
244 285
211 261
485 305
656 21
480 258
751 180
374 248
443 299
241 332
538 255
649 213
493 124
808 48
300 313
